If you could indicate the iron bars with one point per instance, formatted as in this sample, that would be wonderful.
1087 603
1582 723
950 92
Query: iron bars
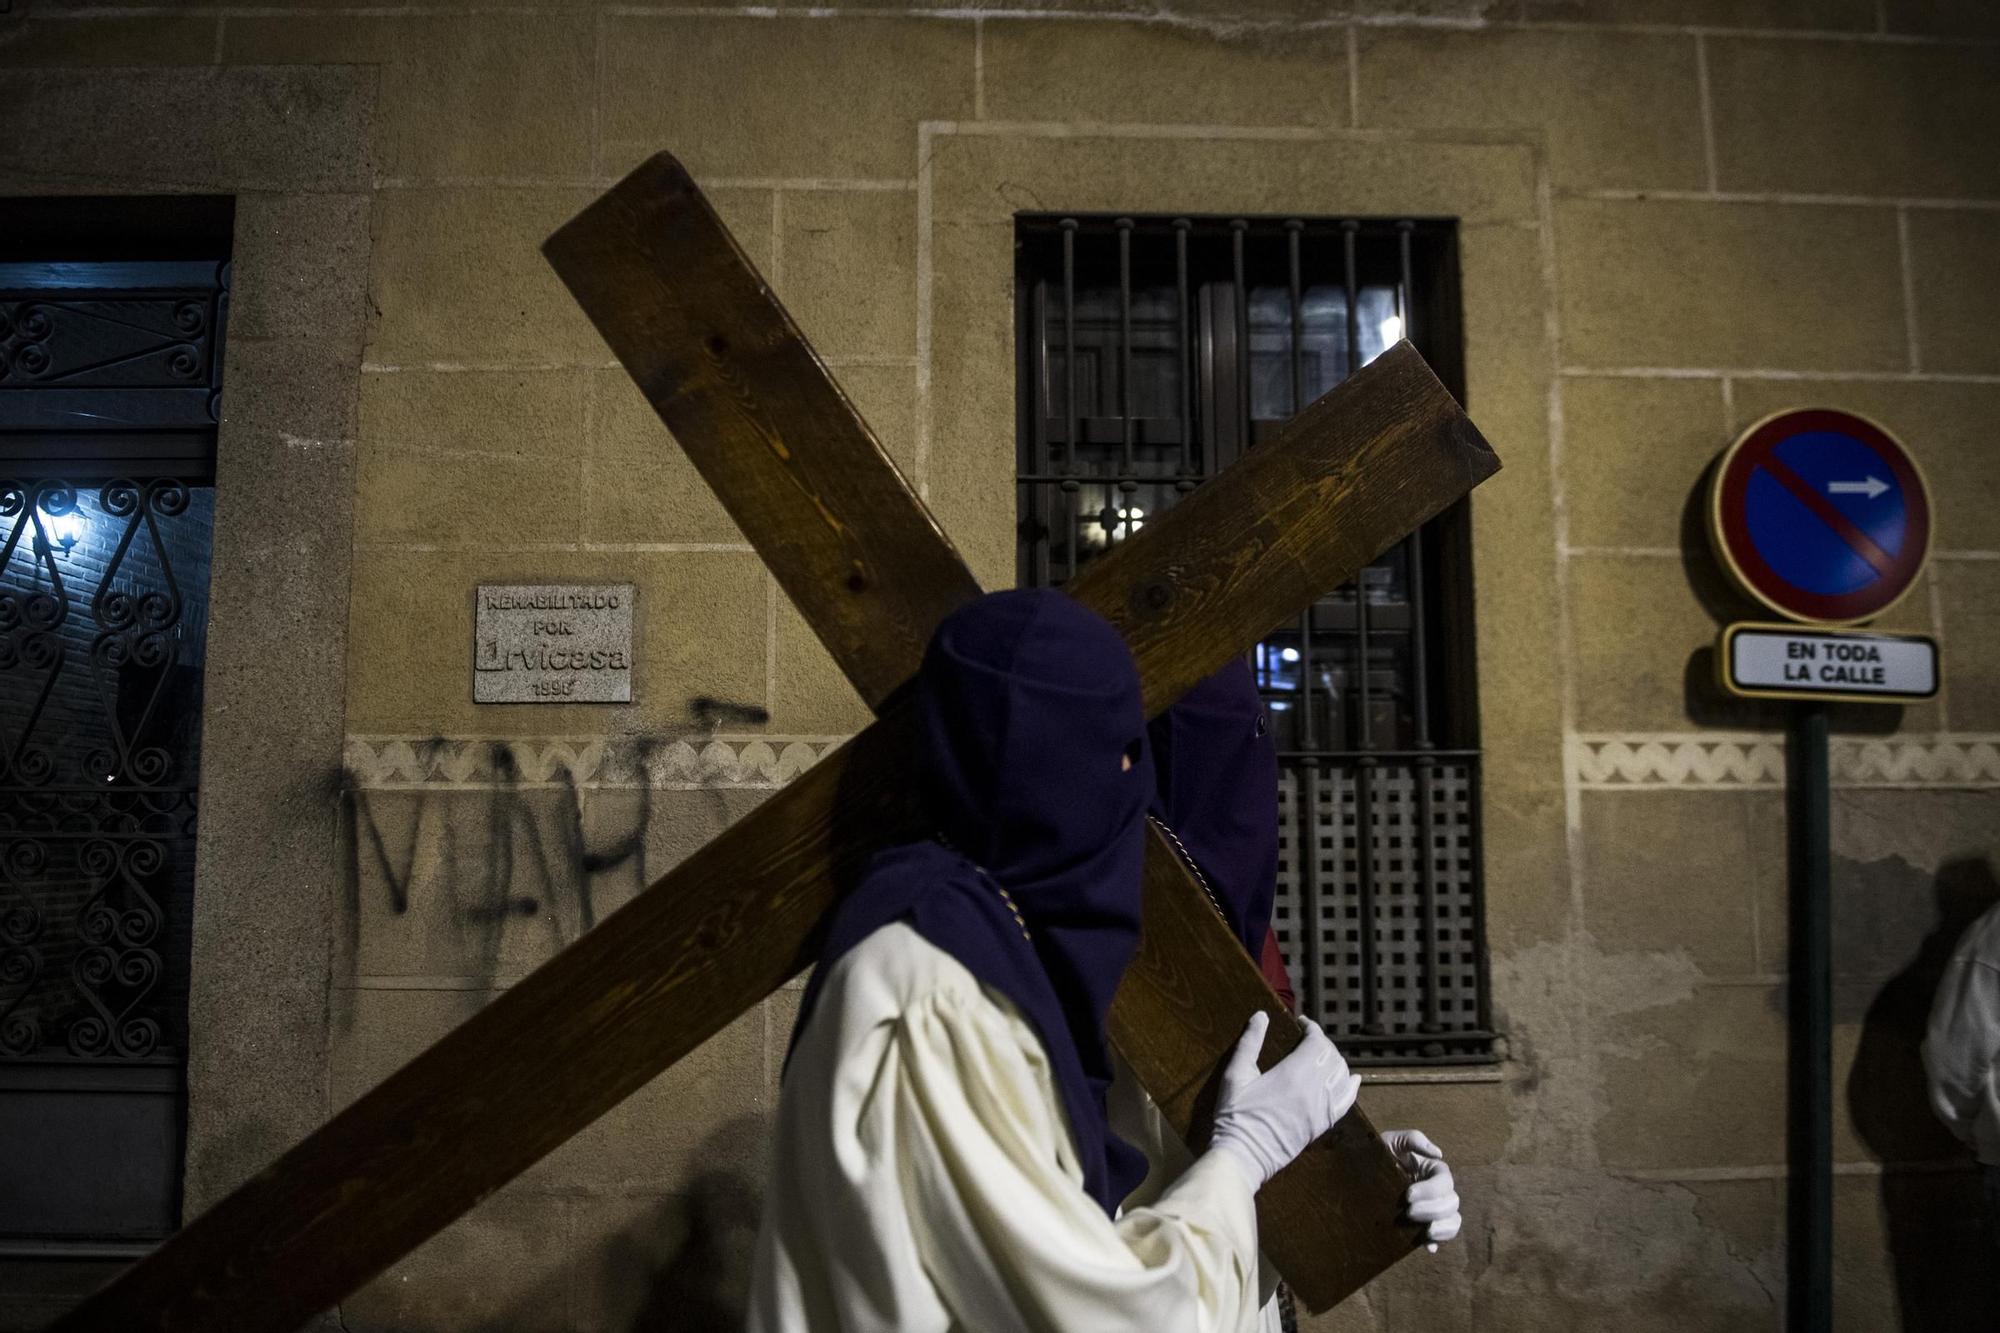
1155 351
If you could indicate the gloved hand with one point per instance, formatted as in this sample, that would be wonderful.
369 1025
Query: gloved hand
1264 1120
1432 1198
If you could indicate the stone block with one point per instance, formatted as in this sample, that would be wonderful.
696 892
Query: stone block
639 484
990 177
467 883
1969 639
297 392
1527 871
1508 356
1854 117
186 129
1619 109
1095 72
702 1123
750 214
458 277
436 497
968 475
1520 653
482 885
531 416
678 1260
272 737
1467 1120
1946 425
810 696
1697 1083
849 265
633 835
505 1264
1820 15
1912 869
1507 370
1674 871
1635 623
1681 283
886 397
486 95
776 97
700 633
300 266
1662 1258
1943 18
1955 272
1907 1253
40 41
1636 454
386 1029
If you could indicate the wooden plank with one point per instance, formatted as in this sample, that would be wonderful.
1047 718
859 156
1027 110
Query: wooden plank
1363 466
731 923
754 408
1194 588
1332 1220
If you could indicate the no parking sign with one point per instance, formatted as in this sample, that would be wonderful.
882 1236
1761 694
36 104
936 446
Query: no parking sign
1822 516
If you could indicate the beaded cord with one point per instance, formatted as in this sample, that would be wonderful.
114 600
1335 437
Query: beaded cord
1005 897
1187 859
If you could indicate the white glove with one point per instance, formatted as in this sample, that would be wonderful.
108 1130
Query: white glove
1264 1120
1432 1198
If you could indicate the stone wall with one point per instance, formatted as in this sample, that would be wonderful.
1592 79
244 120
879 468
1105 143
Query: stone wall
1677 216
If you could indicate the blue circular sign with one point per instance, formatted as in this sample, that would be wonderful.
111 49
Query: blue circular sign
1821 515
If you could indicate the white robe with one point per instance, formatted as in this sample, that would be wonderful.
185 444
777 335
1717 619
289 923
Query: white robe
1962 1047
923 1179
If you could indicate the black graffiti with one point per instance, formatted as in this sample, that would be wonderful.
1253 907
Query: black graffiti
507 849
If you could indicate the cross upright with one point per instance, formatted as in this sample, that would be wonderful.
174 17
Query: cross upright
859 554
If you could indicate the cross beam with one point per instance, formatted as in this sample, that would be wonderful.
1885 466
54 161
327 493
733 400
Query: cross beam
757 412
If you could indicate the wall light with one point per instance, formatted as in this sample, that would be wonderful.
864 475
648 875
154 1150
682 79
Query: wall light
64 530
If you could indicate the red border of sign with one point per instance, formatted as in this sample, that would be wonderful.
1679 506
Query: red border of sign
1729 528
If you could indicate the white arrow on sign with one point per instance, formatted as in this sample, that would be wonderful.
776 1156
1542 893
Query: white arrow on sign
1871 488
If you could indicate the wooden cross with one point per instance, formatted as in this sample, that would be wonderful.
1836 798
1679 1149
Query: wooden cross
802 475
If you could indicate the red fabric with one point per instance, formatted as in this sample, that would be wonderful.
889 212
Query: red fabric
1275 975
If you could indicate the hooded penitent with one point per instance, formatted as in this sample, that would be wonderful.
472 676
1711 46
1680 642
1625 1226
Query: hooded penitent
1029 707
1217 770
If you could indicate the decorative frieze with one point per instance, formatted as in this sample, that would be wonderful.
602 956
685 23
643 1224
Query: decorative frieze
696 761
1748 760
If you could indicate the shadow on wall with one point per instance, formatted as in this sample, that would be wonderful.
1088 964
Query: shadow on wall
678 1263
1930 1209
703 1282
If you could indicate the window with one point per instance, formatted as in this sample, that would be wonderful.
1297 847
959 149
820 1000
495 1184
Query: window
1153 351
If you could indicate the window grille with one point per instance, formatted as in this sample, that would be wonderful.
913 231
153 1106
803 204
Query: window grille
1153 351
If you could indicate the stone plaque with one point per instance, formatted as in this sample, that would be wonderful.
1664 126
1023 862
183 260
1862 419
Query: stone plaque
563 644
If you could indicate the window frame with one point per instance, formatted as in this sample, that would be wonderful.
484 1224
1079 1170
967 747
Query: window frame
1202 263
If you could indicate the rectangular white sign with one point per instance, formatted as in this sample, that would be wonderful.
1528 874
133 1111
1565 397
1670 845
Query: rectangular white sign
1781 662
541 644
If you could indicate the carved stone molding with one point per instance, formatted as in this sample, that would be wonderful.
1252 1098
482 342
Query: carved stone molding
700 761
1746 760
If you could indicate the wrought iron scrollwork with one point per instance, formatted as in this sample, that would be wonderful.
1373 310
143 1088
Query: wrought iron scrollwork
117 969
97 774
21 924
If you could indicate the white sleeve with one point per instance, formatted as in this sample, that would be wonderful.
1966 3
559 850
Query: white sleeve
1008 1235
1963 1042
